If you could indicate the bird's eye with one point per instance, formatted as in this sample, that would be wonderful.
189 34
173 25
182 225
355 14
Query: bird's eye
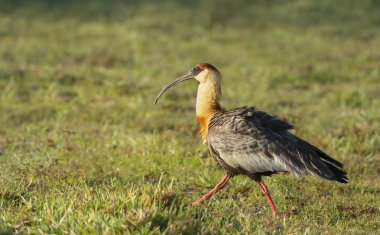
197 69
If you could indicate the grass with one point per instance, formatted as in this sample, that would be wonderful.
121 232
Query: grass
84 150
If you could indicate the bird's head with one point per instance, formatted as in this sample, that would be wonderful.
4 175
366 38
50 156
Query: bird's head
204 73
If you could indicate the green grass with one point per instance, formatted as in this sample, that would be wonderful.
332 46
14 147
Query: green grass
84 150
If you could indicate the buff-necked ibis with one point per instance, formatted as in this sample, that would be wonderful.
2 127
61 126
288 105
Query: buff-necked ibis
251 142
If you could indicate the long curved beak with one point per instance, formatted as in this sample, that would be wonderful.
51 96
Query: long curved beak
175 82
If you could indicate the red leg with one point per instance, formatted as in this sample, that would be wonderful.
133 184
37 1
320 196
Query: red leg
265 190
218 187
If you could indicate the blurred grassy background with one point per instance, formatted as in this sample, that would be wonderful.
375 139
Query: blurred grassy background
83 149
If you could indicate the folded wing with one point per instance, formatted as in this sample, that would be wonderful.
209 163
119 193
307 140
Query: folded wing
253 142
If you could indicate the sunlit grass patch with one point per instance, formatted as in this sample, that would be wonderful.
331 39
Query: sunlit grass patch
83 149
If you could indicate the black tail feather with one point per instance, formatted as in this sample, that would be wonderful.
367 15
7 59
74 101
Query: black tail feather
334 166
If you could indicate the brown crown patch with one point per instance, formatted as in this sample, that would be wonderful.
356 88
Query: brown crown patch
207 66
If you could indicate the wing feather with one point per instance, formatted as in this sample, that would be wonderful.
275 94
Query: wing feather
256 142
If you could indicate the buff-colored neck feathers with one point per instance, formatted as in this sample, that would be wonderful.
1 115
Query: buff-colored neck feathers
207 105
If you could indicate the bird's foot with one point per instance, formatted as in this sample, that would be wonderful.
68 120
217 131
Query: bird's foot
196 203
218 187
281 215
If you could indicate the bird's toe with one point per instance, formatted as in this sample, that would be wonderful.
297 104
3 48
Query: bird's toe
196 203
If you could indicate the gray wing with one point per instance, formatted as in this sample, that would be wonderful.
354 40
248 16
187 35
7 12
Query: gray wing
254 142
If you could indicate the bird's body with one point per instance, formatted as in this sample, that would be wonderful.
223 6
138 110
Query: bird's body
250 142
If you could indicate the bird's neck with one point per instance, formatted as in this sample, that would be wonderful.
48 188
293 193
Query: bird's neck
207 105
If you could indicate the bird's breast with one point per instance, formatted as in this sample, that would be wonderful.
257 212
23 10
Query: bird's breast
203 127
